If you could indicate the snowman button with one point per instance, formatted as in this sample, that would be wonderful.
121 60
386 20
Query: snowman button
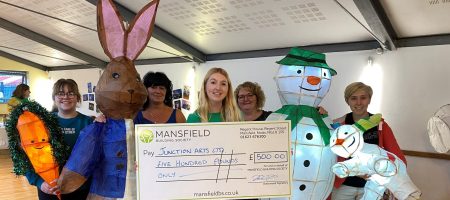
309 136
306 163
302 187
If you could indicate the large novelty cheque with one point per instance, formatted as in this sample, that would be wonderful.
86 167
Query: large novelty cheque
213 160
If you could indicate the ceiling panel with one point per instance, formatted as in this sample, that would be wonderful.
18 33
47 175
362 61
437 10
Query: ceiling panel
75 11
215 26
35 52
412 18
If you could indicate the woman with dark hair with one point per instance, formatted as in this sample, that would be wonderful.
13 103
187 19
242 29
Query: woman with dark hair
21 93
158 108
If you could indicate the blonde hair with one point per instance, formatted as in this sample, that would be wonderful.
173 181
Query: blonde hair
230 111
356 86
255 89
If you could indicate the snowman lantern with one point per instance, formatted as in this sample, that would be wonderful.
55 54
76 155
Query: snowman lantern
385 169
303 80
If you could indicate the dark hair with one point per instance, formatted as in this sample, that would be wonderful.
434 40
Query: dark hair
19 92
159 79
71 85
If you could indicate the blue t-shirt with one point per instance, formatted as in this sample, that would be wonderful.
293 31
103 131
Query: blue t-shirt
71 128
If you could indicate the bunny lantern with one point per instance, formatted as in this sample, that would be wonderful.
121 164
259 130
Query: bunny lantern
105 151
385 169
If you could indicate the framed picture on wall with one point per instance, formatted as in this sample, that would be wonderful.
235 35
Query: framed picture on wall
91 97
85 97
176 94
89 86
186 105
91 106
177 104
186 92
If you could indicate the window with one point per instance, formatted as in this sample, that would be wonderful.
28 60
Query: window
8 82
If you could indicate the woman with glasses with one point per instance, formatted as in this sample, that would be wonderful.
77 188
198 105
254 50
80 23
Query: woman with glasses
65 96
250 99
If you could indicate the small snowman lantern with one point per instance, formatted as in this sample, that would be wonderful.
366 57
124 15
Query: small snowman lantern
385 169
303 80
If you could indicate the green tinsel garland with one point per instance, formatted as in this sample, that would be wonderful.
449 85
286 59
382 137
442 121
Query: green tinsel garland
21 162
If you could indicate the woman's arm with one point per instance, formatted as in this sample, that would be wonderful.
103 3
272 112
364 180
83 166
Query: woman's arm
180 117
389 143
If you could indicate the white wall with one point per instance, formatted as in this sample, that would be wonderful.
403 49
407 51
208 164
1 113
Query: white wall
409 84
82 77
180 74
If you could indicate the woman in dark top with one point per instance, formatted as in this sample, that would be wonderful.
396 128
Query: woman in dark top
251 99
158 108
65 96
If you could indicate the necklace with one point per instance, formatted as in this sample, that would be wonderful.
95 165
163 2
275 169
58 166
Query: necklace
155 116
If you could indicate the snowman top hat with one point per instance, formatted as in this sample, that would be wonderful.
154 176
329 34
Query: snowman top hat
301 57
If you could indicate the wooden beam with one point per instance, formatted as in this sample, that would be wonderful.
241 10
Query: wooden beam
441 156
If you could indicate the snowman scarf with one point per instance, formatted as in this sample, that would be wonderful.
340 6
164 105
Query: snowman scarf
296 112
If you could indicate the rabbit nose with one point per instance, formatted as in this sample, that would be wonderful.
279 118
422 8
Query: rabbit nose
130 91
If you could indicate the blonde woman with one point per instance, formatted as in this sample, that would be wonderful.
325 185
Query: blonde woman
250 99
216 101
358 96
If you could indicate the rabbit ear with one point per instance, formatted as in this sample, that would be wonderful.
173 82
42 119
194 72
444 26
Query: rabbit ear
141 30
110 28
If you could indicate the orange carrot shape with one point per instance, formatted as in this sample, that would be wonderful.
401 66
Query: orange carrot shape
34 139
33 134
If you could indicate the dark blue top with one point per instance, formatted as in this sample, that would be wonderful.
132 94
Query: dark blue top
140 119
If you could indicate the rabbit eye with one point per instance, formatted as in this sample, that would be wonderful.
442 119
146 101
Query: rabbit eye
138 79
115 75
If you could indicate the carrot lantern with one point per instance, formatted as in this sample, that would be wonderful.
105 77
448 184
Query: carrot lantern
36 142
34 139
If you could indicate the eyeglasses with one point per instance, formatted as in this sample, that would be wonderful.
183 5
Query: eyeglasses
248 96
69 94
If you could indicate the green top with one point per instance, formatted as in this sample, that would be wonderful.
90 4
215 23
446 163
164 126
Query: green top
212 117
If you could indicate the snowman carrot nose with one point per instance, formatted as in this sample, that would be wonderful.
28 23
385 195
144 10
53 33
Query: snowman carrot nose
339 141
313 80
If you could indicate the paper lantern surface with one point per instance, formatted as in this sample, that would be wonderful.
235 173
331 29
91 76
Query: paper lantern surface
120 95
34 139
385 169
303 80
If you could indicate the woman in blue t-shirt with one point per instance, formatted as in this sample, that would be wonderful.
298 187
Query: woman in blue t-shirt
65 96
